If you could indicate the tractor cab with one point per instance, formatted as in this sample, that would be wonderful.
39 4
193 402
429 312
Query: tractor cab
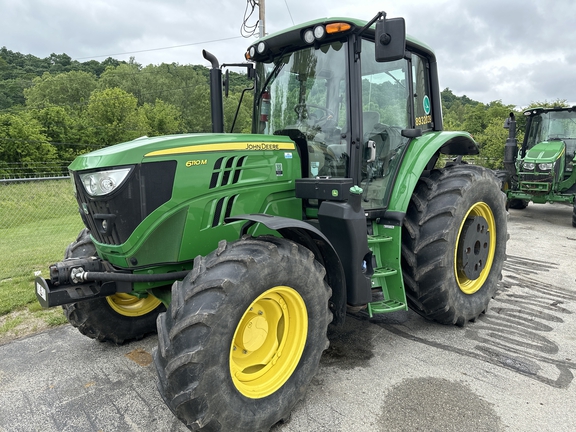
550 141
350 102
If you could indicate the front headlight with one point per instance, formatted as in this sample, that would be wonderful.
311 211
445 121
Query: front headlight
529 166
103 182
545 166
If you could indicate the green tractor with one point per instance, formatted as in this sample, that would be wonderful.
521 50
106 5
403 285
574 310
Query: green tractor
241 249
542 170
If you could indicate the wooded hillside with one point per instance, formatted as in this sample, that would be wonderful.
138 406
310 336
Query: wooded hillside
55 108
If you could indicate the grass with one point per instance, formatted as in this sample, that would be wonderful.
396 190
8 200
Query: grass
37 221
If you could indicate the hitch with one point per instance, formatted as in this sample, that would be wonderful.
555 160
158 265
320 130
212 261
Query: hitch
49 295
79 279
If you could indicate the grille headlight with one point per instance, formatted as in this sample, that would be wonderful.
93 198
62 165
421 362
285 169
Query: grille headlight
104 182
529 166
545 166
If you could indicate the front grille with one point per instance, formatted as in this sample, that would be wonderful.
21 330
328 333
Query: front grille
148 186
543 178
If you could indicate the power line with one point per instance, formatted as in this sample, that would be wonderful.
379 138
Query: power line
289 13
247 30
159 49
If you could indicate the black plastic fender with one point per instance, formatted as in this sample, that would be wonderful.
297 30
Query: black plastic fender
310 237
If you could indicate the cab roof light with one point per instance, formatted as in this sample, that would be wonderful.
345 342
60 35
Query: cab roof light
309 36
337 27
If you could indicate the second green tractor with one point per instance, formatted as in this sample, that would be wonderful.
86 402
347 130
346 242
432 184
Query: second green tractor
541 170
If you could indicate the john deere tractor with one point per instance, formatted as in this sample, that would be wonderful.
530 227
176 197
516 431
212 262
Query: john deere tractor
542 170
241 249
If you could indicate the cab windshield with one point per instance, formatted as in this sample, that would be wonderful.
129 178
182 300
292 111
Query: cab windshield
553 126
303 96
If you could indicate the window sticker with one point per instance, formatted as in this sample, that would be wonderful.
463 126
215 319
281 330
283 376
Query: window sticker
426 104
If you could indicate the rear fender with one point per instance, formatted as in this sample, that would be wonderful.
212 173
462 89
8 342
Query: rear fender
311 238
421 155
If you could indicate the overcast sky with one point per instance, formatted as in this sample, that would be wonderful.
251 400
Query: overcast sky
516 51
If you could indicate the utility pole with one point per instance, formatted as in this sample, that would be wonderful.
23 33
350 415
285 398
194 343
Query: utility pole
261 18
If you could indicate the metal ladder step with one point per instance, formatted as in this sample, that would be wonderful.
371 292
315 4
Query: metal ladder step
385 306
379 238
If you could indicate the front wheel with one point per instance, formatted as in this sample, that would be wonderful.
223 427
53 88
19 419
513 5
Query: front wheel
243 335
454 243
117 318
514 203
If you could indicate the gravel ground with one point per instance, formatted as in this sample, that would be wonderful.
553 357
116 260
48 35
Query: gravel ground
512 370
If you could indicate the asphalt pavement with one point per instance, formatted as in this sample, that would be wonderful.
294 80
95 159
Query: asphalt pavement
511 370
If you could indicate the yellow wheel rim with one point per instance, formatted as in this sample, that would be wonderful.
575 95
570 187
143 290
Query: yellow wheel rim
129 305
471 285
268 342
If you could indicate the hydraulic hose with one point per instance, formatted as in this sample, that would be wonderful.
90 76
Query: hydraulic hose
125 277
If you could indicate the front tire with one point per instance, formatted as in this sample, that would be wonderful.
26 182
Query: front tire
117 318
243 335
514 203
454 243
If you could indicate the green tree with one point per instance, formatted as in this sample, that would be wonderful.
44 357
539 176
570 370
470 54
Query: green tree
24 149
114 117
162 118
64 129
244 118
492 141
67 89
557 103
184 87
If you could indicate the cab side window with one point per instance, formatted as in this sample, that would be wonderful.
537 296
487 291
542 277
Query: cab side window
421 84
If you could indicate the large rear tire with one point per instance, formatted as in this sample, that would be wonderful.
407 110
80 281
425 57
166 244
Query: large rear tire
454 243
243 335
574 215
118 318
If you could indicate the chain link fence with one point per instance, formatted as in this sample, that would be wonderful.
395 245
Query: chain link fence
38 219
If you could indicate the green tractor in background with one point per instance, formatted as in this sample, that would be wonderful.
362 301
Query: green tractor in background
241 249
542 170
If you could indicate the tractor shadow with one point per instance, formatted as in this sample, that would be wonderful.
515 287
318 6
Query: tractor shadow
351 345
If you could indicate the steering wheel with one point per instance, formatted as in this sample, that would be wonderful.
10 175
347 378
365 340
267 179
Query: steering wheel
304 110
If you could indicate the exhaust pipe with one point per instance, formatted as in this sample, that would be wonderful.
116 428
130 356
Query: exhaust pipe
216 104
511 146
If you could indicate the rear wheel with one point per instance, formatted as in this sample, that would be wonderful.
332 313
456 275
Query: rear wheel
574 215
118 318
454 243
243 335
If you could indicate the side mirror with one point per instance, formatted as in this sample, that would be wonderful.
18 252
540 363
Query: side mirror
390 39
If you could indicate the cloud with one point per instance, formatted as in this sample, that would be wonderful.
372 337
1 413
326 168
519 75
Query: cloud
517 51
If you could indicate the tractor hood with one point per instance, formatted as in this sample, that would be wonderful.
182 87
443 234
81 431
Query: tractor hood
545 152
144 149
